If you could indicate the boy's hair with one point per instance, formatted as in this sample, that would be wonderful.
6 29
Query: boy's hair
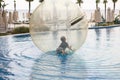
63 38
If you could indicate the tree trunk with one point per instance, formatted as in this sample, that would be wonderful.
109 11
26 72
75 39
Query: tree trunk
14 6
29 6
105 12
96 5
0 4
79 4
114 7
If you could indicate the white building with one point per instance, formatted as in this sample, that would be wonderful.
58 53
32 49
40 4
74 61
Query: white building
97 16
110 15
3 21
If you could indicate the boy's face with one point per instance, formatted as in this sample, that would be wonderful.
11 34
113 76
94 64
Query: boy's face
63 40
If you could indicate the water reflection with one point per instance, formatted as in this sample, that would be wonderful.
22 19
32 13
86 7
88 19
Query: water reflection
63 61
58 67
98 34
98 38
108 34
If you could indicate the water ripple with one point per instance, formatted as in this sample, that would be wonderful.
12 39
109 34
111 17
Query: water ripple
98 59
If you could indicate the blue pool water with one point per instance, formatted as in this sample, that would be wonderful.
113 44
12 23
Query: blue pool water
97 59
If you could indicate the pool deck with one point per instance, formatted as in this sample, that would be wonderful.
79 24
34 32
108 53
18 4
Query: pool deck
102 27
93 27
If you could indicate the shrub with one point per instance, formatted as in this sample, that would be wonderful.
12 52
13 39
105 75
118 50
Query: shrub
105 24
20 30
3 34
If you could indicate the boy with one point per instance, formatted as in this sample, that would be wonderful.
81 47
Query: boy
63 46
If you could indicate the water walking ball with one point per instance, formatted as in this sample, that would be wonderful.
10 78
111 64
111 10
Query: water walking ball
53 19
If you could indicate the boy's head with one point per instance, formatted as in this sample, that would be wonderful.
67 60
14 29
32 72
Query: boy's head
63 39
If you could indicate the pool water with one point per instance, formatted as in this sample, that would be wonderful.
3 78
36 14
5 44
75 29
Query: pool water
97 59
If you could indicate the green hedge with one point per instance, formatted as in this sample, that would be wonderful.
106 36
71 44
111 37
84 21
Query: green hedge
104 23
3 34
20 30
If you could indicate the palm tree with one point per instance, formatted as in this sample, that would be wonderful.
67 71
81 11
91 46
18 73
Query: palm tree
105 2
41 1
79 2
29 4
3 6
114 2
97 2
1 3
14 5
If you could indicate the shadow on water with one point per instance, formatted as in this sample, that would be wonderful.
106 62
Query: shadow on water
108 34
98 37
98 34
4 59
52 66
21 38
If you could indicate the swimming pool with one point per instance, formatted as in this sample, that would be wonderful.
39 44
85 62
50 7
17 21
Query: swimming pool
97 59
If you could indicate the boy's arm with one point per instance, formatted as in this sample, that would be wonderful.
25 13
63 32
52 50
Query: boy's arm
69 47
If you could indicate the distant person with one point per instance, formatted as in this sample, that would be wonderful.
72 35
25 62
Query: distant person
63 46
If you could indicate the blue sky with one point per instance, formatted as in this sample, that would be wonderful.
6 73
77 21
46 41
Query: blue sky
88 4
